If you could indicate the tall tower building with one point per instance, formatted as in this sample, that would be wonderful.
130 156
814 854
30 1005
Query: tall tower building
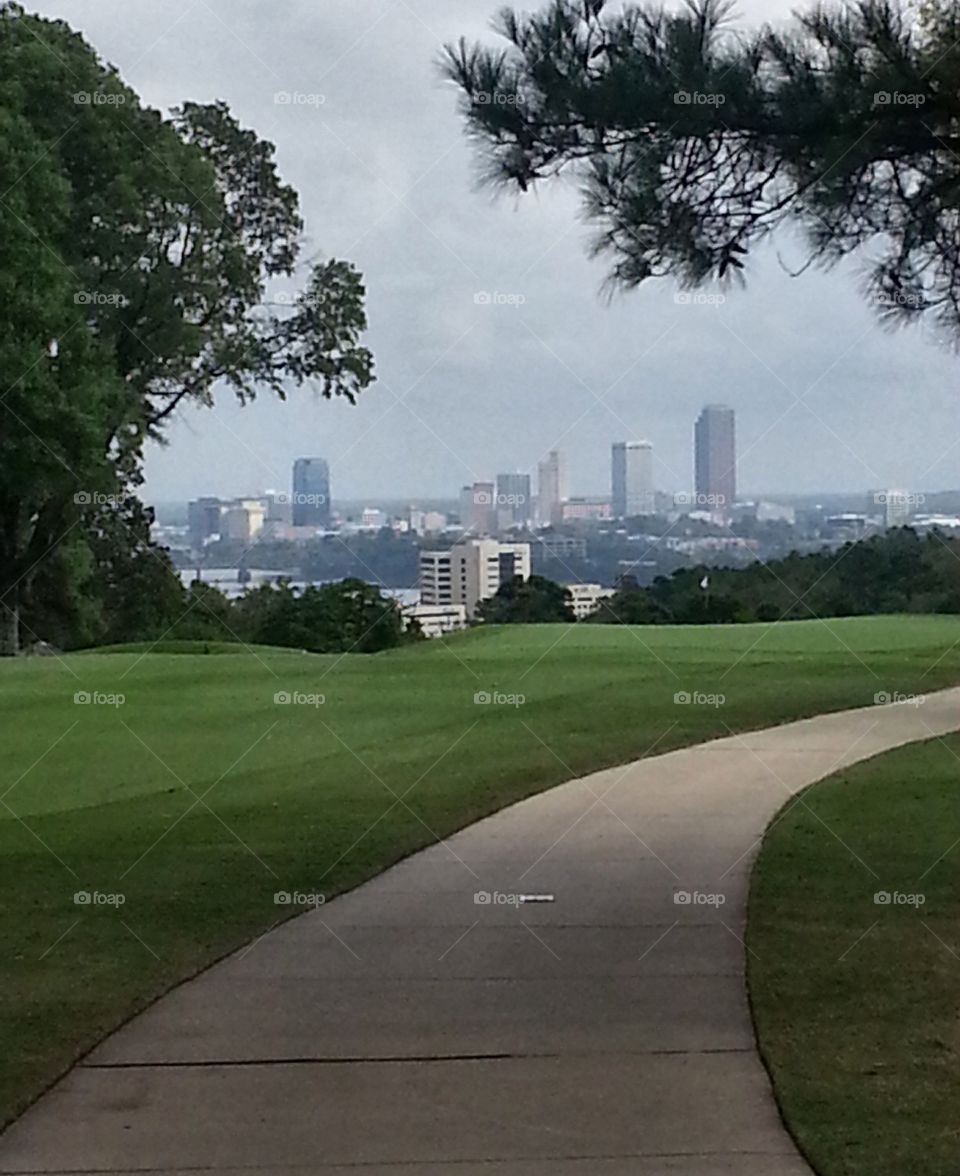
478 515
551 489
513 499
311 492
715 444
632 479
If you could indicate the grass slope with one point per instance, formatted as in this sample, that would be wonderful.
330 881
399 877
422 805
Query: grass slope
855 1002
199 797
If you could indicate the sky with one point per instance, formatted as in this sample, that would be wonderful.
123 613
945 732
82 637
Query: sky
826 399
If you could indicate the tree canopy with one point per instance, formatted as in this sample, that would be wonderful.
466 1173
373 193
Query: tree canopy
137 255
534 601
692 141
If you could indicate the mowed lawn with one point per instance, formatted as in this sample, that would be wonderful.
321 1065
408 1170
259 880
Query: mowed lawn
855 1000
200 797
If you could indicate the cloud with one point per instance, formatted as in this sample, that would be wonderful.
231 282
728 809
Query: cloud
388 179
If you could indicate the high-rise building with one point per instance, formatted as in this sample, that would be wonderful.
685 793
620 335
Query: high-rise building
632 479
471 571
551 489
244 518
513 500
311 492
204 518
715 447
478 512
898 507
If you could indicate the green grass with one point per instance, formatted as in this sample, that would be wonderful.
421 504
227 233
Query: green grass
856 1003
100 797
192 647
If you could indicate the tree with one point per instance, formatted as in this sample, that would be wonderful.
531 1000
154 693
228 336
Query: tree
136 252
106 583
536 601
693 144
349 617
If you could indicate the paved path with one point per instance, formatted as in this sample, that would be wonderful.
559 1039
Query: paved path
406 1029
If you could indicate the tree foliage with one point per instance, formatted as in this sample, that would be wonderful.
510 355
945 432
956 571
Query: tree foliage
535 601
894 573
137 253
693 143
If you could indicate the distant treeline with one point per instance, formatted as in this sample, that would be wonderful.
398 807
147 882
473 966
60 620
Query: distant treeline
111 585
898 572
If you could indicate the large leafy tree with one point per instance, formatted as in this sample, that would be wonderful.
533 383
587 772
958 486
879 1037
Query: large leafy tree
347 617
137 256
534 601
692 142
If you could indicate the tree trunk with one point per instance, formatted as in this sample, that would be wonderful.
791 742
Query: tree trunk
10 623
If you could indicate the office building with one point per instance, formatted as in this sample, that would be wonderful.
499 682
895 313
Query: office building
311 493
244 519
435 620
897 507
632 479
470 572
478 512
586 510
587 598
513 500
715 444
551 489
203 520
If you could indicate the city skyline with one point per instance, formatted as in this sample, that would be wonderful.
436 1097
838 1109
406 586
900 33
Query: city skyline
564 367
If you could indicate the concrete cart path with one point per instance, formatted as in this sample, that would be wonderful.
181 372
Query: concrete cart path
412 1027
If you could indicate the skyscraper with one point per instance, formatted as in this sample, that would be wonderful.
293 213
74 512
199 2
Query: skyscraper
632 479
513 499
716 459
478 515
311 492
551 489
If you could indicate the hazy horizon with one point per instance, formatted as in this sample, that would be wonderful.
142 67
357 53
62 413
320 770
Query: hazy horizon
823 395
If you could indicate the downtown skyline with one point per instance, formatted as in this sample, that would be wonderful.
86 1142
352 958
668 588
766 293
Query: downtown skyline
467 386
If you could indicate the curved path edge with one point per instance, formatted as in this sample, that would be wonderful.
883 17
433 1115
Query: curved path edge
559 988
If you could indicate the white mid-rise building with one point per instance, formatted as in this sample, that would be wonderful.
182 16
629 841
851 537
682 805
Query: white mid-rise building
587 598
437 619
471 572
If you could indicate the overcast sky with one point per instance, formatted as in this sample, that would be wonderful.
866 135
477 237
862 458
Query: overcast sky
825 399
